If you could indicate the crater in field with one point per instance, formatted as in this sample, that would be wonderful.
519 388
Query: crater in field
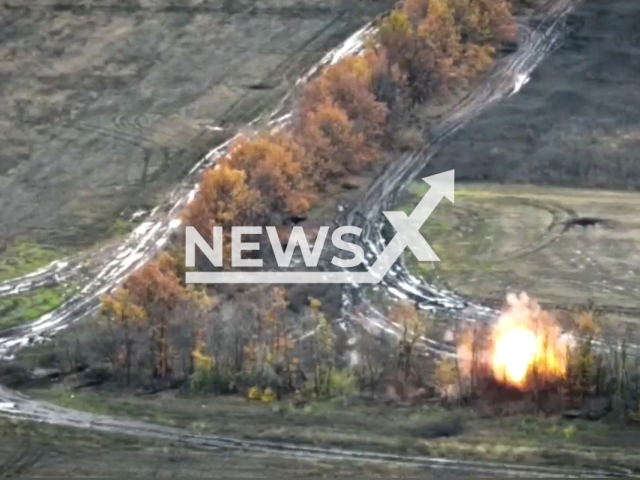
586 222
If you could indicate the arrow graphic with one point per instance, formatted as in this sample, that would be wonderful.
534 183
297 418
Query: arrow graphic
407 235
408 228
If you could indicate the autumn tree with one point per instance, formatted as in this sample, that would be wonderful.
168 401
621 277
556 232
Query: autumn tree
477 59
157 289
426 51
223 199
485 21
396 35
335 147
124 316
582 359
388 83
322 343
189 324
438 51
376 357
416 10
270 351
349 86
452 42
273 168
413 327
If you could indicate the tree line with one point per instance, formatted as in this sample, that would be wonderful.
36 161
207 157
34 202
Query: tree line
354 112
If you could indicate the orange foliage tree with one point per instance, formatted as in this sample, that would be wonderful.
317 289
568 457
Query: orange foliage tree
158 290
416 10
452 42
335 147
439 49
273 168
349 85
224 199
485 21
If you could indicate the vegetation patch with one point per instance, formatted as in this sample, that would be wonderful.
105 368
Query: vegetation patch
568 246
458 433
22 258
19 309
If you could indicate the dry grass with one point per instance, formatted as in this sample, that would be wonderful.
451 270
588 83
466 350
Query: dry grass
501 238
459 433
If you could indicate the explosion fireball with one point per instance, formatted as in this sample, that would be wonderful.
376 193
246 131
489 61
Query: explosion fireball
525 341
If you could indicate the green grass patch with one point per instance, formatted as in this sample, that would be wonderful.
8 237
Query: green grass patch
121 227
456 233
20 309
22 258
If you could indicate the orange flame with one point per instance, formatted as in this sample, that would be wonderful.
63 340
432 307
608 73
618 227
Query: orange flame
525 340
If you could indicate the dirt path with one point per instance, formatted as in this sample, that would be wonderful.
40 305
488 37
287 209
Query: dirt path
507 80
17 406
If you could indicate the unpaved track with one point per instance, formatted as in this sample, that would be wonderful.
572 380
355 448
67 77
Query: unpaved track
506 81
17 406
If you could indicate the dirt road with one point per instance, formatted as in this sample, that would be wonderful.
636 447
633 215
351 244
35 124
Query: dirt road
17 406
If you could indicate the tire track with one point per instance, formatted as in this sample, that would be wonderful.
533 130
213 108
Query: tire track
300 10
18 406
534 46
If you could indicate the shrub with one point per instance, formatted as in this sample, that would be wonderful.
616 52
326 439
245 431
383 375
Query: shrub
570 432
254 393
343 383
211 380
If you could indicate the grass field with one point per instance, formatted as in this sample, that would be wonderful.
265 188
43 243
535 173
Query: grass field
502 238
458 433
32 450
28 307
